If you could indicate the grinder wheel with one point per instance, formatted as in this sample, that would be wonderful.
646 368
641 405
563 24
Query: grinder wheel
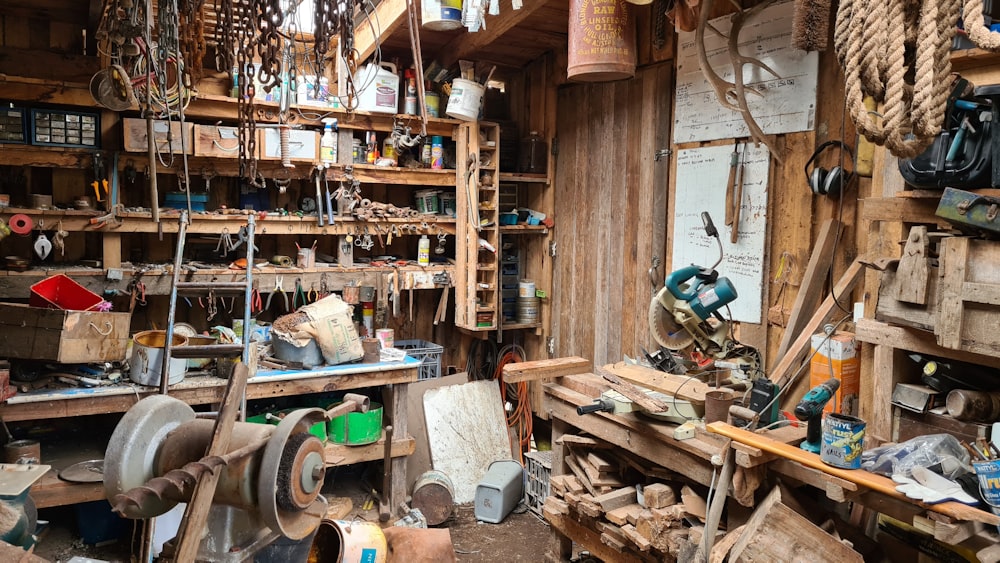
292 494
299 523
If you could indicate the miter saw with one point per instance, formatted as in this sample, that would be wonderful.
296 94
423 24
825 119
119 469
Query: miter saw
685 313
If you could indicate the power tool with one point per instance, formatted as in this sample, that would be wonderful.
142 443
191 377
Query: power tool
685 310
810 409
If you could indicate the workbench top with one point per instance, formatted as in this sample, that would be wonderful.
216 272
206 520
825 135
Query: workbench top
200 390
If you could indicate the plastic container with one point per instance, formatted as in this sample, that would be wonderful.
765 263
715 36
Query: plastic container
427 201
538 466
357 151
432 101
448 206
499 491
441 15
466 99
328 143
178 200
410 100
378 88
424 251
61 292
508 218
357 428
428 353
534 155
146 362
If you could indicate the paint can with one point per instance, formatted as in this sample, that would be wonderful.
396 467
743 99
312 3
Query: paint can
527 310
386 337
441 15
466 99
147 358
342 540
526 288
432 101
448 205
601 41
434 495
22 452
843 441
988 473
427 201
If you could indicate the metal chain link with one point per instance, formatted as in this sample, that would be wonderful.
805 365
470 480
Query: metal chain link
192 39
269 17
245 92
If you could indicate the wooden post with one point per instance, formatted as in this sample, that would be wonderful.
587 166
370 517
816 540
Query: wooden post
718 501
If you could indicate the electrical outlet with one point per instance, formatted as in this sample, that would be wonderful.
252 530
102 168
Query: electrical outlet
114 274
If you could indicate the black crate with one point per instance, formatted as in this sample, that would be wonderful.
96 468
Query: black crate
12 124
63 128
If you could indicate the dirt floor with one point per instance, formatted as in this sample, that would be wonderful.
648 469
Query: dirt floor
520 537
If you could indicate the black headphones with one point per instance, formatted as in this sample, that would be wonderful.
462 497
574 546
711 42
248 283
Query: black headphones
828 182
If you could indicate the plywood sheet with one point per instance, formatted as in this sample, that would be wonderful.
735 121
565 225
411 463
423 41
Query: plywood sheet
467 431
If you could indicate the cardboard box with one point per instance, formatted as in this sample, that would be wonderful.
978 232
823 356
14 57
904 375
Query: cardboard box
66 337
837 357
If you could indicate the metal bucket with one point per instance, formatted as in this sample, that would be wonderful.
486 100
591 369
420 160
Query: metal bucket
356 428
434 495
717 405
147 358
309 355
601 41
349 542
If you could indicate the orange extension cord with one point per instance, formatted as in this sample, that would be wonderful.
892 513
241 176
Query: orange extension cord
519 418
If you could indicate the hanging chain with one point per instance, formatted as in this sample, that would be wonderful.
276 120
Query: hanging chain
225 37
192 39
269 16
246 91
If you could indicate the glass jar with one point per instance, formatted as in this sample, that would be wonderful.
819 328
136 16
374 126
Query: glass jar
534 155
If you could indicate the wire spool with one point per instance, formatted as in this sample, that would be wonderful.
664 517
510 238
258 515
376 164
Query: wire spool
21 224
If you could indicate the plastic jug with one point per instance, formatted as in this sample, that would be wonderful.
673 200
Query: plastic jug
378 88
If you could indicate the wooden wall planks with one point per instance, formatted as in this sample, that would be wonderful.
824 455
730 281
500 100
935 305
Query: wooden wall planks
611 197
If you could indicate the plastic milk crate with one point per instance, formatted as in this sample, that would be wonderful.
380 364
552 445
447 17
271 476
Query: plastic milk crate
428 353
539 466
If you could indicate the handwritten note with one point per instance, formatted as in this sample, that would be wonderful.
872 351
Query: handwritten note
786 104
702 175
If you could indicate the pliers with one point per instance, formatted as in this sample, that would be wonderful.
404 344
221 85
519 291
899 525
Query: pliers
300 295
312 295
279 282
255 300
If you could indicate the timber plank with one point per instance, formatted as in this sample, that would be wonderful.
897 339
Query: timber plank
865 479
544 369
810 290
682 387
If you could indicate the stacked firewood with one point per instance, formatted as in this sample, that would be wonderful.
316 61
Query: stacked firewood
637 509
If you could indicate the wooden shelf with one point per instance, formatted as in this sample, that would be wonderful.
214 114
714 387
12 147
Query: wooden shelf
524 178
371 174
158 280
969 58
520 326
213 223
212 108
339 454
524 229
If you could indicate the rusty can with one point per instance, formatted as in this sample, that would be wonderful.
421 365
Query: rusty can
601 41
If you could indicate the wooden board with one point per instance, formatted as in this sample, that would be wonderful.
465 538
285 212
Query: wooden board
812 283
970 296
778 533
865 479
544 369
62 336
420 461
467 431
216 141
135 136
679 386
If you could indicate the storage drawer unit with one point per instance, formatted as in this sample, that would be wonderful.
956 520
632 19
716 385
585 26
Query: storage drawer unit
60 128
12 124
135 136
217 141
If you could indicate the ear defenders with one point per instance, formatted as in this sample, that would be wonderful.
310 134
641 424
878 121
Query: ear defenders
828 182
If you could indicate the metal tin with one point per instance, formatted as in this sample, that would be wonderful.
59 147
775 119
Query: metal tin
601 41
843 441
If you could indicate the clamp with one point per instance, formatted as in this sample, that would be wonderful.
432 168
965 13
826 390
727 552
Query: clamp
279 282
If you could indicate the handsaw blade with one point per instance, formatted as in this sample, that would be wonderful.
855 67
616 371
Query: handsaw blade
664 328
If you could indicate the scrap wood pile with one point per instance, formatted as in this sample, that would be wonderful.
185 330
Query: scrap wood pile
600 493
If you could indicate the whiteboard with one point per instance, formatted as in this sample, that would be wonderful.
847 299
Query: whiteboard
788 104
702 175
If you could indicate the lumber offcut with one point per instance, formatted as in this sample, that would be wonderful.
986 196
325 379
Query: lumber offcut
778 533
545 369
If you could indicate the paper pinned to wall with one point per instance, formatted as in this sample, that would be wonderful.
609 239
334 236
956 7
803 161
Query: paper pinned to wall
788 103
702 175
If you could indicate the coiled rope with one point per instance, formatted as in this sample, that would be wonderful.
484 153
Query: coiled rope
897 52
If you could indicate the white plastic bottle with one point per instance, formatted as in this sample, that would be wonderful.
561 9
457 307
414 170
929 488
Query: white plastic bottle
328 143
424 251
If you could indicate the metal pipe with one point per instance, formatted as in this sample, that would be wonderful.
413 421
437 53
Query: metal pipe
172 308
248 347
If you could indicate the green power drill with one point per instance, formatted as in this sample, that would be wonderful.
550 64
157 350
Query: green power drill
810 409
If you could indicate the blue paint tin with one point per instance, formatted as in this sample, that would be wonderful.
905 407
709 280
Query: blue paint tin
988 473
843 441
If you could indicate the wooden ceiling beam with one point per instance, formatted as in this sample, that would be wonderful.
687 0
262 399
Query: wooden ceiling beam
468 44
389 15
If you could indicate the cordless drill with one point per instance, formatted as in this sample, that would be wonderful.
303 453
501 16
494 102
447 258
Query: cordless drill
810 409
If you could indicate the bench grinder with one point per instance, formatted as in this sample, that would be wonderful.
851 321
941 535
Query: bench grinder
269 485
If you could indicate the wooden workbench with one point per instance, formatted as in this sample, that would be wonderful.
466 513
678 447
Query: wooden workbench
201 390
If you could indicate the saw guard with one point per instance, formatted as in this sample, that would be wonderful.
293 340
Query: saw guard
664 328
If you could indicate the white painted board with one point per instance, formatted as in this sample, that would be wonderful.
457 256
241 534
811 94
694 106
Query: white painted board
467 431
788 103
702 174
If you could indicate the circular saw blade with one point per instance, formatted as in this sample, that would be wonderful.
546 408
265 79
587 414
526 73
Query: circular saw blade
664 328
91 471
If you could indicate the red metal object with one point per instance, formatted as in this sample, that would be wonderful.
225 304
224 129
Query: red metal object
61 292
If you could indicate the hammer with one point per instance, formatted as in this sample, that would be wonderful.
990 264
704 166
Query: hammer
352 403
